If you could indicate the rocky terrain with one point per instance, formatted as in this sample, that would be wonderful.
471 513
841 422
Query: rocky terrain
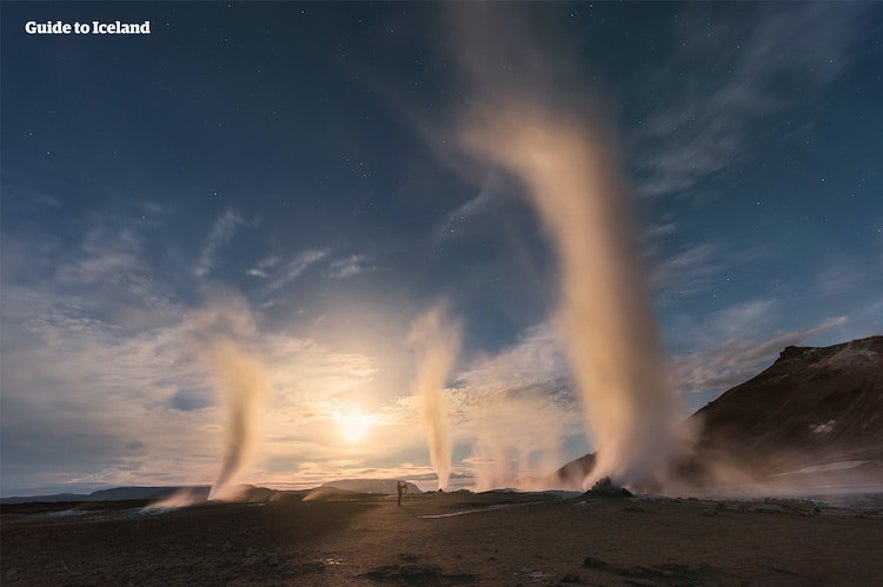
811 405
494 538
814 417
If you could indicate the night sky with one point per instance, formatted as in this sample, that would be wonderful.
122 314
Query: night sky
298 163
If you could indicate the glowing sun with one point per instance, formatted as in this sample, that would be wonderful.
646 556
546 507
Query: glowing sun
354 426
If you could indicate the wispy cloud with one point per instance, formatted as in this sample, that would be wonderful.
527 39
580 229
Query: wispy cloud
349 266
222 231
688 271
842 274
456 220
737 359
698 267
261 268
288 272
536 356
735 71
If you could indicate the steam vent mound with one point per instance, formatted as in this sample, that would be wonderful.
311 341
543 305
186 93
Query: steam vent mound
606 489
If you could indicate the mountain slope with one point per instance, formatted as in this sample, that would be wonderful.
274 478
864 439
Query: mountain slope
813 407
811 404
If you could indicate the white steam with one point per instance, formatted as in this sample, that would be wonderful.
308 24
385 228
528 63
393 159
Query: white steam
436 341
244 383
224 334
517 442
566 157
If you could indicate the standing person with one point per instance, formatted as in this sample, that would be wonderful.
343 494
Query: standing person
401 487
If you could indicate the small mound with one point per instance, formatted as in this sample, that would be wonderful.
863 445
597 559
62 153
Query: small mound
605 488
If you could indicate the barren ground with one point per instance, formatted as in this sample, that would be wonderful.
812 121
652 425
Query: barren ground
493 539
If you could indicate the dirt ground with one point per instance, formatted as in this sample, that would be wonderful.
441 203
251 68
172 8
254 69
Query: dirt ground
450 539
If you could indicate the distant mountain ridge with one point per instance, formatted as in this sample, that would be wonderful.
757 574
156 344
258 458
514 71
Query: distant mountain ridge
199 493
113 494
813 407
382 486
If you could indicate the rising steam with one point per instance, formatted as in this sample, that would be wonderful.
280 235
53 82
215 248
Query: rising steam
222 336
244 382
436 340
566 157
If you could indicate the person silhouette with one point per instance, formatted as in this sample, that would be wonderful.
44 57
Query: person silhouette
401 487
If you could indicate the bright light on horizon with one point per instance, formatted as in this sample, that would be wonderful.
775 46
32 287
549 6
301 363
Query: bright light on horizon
354 426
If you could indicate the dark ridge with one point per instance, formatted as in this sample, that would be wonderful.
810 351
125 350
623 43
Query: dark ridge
813 405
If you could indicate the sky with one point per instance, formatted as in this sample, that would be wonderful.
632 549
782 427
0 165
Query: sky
290 176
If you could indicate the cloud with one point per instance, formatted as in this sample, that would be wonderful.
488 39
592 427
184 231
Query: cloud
537 356
65 373
290 271
689 271
457 219
737 359
262 267
736 70
696 268
349 266
841 274
222 231
94 397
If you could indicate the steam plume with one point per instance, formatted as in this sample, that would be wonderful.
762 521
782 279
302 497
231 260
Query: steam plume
436 339
244 382
520 459
222 333
565 155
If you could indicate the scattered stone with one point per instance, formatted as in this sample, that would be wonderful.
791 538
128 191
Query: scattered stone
768 509
639 570
272 559
415 570
226 547
604 488
416 574
408 557
594 563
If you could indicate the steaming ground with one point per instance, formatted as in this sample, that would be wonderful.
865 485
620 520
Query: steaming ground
492 539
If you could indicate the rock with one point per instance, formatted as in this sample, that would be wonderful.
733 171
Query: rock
605 488
272 559
408 557
412 573
570 578
418 570
594 563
